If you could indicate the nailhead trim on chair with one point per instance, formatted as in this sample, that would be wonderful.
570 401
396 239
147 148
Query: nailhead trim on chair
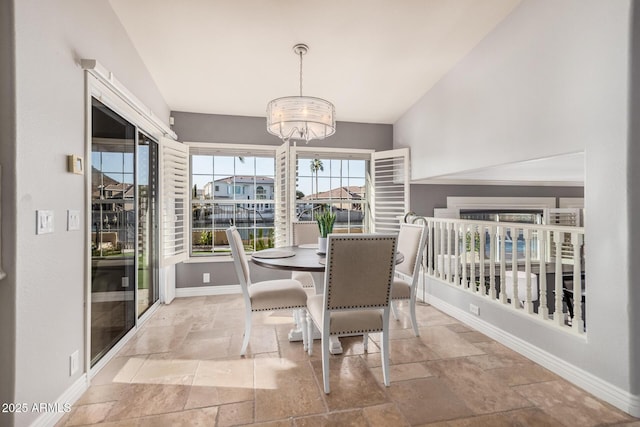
279 308
390 275
355 332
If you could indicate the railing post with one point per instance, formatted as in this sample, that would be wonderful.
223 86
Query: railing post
558 315
443 230
492 262
577 323
543 308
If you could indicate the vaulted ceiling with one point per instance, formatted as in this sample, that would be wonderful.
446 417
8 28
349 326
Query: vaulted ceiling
372 58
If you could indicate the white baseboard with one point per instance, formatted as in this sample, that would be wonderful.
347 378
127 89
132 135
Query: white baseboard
200 291
66 400
598 387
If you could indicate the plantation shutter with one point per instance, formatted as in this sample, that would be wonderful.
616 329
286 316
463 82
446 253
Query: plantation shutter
569 217
389 184
283 200
174 163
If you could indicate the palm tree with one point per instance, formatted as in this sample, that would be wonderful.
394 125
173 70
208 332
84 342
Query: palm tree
316 165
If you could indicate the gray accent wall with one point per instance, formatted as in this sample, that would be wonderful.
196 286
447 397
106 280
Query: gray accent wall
426 197
8 207
197 127
526 93
50 277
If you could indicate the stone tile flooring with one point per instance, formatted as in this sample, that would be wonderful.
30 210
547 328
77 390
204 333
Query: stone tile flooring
183 369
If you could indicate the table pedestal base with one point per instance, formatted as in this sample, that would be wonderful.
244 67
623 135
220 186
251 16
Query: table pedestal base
295 335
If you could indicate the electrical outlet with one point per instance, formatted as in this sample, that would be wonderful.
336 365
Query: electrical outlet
474 309
206 278
73 363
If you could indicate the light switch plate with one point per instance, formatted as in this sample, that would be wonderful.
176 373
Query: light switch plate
44 222
73 220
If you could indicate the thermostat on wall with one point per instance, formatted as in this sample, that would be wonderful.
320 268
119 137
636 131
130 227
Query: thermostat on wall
75 164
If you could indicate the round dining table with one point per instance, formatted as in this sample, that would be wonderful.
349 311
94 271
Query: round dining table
302 258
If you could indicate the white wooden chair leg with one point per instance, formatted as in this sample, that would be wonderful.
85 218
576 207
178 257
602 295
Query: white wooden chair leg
325 362
394 310
309 333
365 342
385 355
302 318
414 321
247 331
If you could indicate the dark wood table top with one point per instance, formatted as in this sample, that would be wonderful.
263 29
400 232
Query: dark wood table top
305 259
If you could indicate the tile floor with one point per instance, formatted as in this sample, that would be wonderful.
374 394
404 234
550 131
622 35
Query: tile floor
183 369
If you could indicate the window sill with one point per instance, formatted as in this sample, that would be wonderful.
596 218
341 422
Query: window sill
208 259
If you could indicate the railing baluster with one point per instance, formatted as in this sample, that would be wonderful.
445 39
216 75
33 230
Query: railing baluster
558 316
514 267
503 264
481 270
447 258
472 252
430 257
442 249
577 322
492 262
543 308
456 261
463 256
527 270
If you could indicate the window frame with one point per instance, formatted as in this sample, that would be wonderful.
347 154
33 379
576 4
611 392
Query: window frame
331 154
226 150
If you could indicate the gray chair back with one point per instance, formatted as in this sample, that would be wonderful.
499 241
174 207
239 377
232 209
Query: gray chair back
359 270
305 232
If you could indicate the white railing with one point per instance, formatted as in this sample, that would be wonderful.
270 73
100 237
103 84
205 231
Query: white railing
480 256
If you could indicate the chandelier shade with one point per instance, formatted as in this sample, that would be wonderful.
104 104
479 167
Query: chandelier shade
301 117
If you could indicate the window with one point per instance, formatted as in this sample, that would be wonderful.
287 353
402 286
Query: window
337 183
225 192
262 189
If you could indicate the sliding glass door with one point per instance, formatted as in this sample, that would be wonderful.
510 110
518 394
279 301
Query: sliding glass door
124 222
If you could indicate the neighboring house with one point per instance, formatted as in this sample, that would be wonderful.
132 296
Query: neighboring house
343 194
240 187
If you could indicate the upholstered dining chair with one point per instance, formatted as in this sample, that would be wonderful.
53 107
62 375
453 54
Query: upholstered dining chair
304 233
266 295
411 243
357 288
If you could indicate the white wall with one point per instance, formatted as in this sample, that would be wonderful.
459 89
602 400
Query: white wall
51 37
552 78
